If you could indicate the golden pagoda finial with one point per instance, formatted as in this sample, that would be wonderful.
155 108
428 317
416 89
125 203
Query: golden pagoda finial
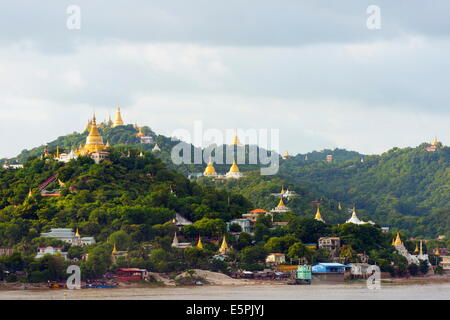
140 133
398 240
318 216
435 142
114 250
224 247
236 141
94 141
199 243
77 234
209 170
282 190
281 203
118 121
416 250
234 167
57 152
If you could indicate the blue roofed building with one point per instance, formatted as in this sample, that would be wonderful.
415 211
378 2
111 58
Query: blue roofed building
328 271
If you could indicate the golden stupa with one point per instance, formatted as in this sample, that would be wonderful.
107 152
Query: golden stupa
209 170
224 247
398 241
199 243
140 133
234 167
435 142
118 121
94 141
236 141
318 216
281 203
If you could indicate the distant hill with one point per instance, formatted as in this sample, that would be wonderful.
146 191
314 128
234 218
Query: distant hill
402 187
405 188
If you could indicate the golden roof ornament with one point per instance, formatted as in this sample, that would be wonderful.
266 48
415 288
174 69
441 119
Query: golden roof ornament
234 167
140 133
118 121
199 243
209 170
318 216
114 250
94 141
224 247
398 240
435 142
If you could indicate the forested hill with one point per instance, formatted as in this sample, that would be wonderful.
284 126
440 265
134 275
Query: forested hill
125 192
408 188
338 155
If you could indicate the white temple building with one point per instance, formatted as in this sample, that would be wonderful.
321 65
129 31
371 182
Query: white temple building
281 207
67 235
399 246
355 220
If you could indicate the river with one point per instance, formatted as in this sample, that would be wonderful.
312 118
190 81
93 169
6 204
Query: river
263 292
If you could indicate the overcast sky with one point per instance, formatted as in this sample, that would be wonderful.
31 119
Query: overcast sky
309 68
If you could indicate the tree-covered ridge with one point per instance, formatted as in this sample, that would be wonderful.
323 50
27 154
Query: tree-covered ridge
260 189
407 188
124 192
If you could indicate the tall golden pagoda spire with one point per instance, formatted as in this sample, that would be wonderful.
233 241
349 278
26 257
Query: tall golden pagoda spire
118 121
435 142
282 190
416 250
94 141
57 152
236 141
209 170
281 203
234 167
77 234
114 250
88 126
199 243
398 241
318 216
224 247
140 133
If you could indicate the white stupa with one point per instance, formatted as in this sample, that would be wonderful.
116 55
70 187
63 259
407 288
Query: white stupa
355 220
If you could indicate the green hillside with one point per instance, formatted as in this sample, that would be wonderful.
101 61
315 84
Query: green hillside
408 188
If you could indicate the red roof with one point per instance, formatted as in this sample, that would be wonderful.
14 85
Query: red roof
130 270
258 211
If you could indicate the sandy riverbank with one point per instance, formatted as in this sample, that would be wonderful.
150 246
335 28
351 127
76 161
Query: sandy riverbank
220 279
